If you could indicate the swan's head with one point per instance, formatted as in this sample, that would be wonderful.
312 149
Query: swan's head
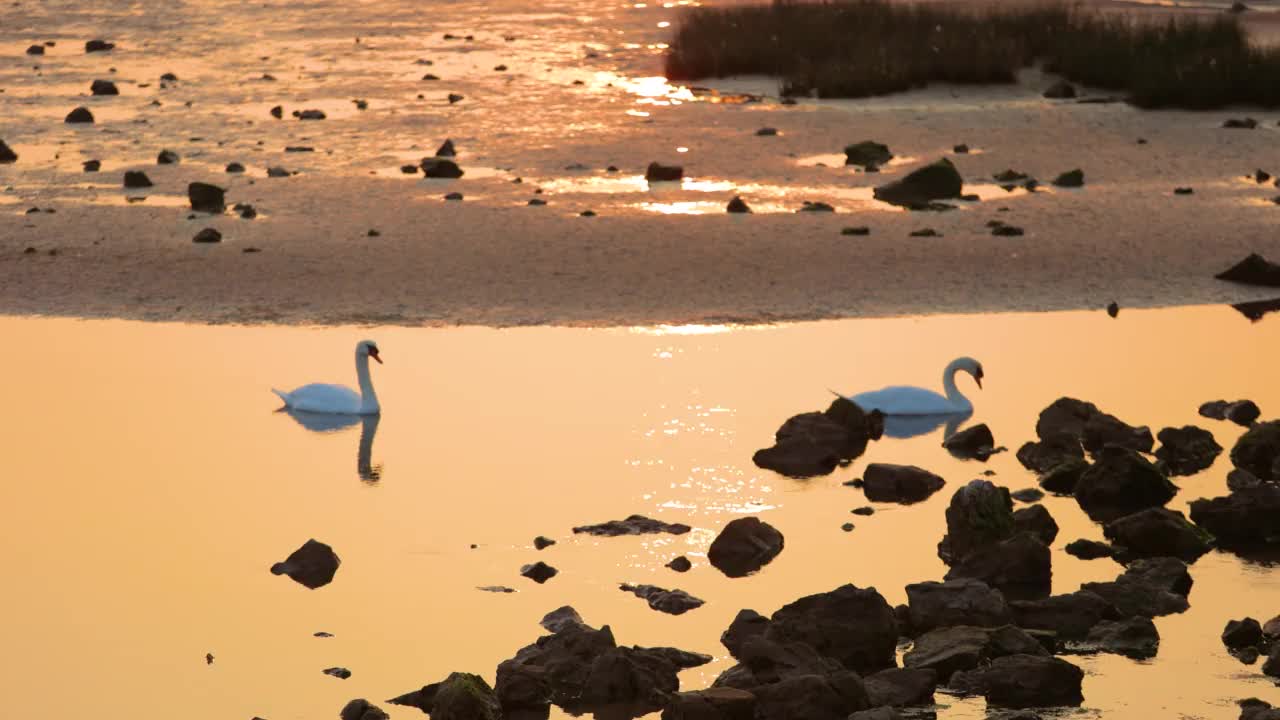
368 348
971 366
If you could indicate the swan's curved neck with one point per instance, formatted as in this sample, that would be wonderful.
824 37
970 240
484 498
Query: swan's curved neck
368 398
954 396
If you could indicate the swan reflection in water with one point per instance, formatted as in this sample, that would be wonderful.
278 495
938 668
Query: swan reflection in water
909 426
330 423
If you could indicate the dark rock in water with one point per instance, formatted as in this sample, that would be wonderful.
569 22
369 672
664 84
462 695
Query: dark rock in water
98 46
206 198
539 572
810 206
501 589
79 115
1150 587
298 149
235 167
1003 230
1187 450
975 442
207 235
1070 179
813 697
1089 549
980 514
542 542
680 564
964 601
247 211
1157 532
1183 191
926 232
7 155
1121 482
1037 521
898 687
1019 681
744 546
847 527
35 50
671 602
1272 666
339 672
277 112
711 704
587 213
1071 616
1134 637
409 169
876 713
949 650
309 114
435 167
454 98
657 172
1242 519
633 525
960 149
362 709
1027 495
463 696
453 196
1253 270
446 149
1238 7
737 205
859 231
815 443
1214 409
1258 451
1255 709
1247 123
903 484
537 202
278 172
91 166
313 565
1261 176
867 152
560 619
865 510
1242 480
167 157
1019 566
1060 90
1050 453
852 625
1242 633
1242 412
746 625
1103 430
936 181
767 132
103 87
136 179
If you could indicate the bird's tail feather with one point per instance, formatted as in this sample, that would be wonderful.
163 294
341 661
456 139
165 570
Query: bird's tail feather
283 395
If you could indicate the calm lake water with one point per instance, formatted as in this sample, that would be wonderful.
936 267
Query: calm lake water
149 485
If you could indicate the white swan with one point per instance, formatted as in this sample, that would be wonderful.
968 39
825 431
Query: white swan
907 400
337 399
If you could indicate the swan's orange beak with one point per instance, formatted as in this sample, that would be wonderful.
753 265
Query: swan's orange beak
374 354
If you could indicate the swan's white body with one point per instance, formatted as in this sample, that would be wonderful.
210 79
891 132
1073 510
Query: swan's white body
909 400
337 399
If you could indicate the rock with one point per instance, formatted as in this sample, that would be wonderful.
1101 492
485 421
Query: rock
278 172
1247 123
744 546
1150 587
1242 480
1272 665
435 167
1020 681
455 98
1003 230
980 514
949 650
539 572
1183 191
103 87
1010 176
1253 708
1238 7
1060 90
1027 495
299 149
1187 450
7 155
1261 176
1134 637
446 149
746 624
1018 567
542 542
1253 270
867 152
737 205
453 196
1158 532
92 166
135 179
1113 309
964 601
633 525
1271 628
1050 453
852 625
1242 412
809 206
859 231
671 602
1089 549
277 112
976 442
463 696
362 709
903 484
560 619
169 77
1239 634
339 672
865 510
409 169
1242 519
1258 451
500 589
1070 179
537 202
1071 616
1121 482
587 213
657 172
960 149
880 713
79 115
313 565
206 198
847 527
925 232
99 46
247 211
814 443
309 114
207 235
1103 430
899 687
235 167
167 157
1036 521
937 181
711 704
1094 428
35 50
